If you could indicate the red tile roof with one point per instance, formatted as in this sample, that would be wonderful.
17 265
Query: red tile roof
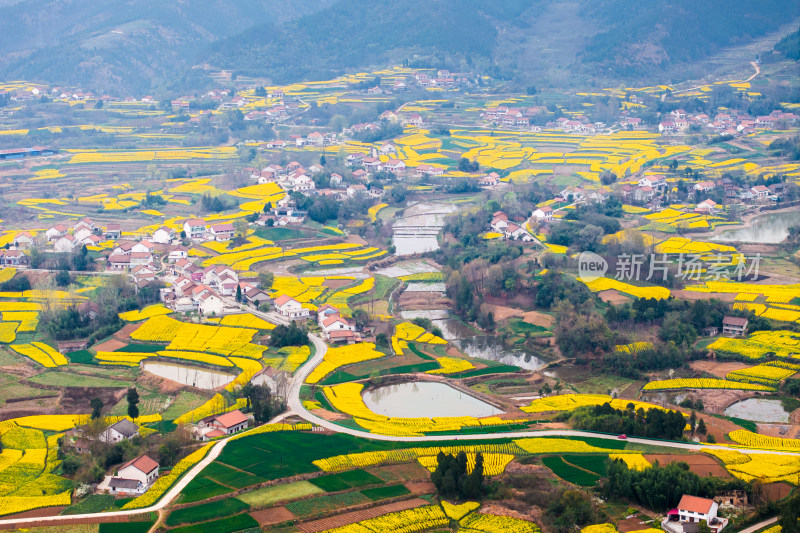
233 418
283 299
142 463
695 504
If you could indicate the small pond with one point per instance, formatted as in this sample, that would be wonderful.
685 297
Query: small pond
492 349
425 399
771 228
201 378
758 410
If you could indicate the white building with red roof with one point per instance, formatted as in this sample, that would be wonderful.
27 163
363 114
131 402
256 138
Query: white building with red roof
195 228
220 232
135 476
222 424
290 308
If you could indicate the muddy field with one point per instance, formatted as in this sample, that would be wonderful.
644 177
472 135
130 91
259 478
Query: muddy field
702 465
612 296
719 370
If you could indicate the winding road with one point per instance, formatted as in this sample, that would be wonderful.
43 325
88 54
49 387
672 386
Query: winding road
296 408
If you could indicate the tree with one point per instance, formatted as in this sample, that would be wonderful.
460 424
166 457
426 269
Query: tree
268 207
133 400
322 160
97 407
260 401
183 234
790 515
241 226
702 527
239 293
693 422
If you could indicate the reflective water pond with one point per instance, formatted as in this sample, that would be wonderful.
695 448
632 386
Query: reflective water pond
492 349
425 399
771 228
758 410
202 378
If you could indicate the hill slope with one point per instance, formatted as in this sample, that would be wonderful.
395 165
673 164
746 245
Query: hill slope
136 46
118 45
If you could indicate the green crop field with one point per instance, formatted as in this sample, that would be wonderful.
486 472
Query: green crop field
201 488
93 503
225 475
570 473
346 480
68 379
594 463
225 525
326 504
207 511
127 527
381 493
280 493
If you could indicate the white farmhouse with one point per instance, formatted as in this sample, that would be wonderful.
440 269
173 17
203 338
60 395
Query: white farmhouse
291 308
163 235
135 476
122 430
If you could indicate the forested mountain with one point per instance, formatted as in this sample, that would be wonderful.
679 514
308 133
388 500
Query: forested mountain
135 46
122 45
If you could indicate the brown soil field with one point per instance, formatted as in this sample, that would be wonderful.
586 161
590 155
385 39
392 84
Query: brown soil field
357 516
75 400
412 471
631 524
275 515
539 319
328 415
418 488
702 465
501 312
774 430
692 295
336 283
719 370
125 333
777 491
613 297
111 345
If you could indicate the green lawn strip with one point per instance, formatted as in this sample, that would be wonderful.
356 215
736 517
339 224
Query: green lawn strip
232 477
225 525
346 480
568 472
142 348
266 496
414 348
126 527
593 463
206 512
94 503
382 493
499 369
67 379
202 488
326 504
278 234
